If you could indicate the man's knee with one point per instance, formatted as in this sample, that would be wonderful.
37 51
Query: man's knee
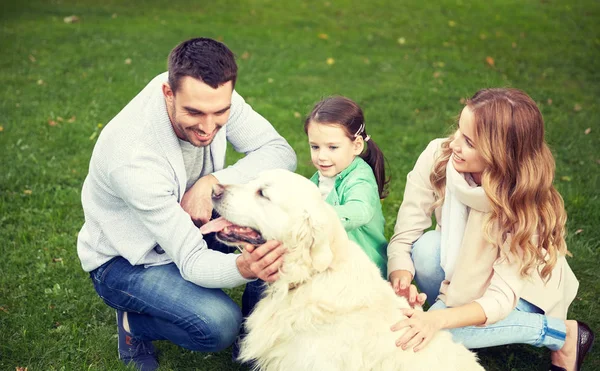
217 328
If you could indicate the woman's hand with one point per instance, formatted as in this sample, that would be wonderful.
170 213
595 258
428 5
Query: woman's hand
420 328
401 283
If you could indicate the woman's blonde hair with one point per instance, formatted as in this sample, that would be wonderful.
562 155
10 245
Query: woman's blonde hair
517 179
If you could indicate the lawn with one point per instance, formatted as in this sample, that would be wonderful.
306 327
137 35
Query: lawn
407 63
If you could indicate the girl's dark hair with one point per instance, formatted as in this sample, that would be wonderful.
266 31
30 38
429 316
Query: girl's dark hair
204 59
347 114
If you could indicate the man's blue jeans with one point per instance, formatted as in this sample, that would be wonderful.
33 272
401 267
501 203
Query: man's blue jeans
526 324
161 305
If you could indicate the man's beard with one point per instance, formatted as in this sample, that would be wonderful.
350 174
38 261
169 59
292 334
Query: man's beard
189 135
186 134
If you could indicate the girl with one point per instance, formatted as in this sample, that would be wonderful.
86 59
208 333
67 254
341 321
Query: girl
350 178
494 270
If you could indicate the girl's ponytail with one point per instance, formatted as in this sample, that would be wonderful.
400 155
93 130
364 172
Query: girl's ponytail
374 157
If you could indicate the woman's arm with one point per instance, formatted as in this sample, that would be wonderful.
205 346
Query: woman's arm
498 300
401 283
422 326
414 215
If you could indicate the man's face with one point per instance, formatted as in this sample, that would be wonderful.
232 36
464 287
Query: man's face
197 111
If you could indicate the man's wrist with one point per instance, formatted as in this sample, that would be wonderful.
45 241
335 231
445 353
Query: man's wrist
206 182
243 268
211 179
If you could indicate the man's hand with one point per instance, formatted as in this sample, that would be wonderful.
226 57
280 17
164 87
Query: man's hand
401 283
261 261
197 200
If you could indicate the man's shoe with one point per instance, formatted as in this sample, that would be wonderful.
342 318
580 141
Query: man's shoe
133 351
585 340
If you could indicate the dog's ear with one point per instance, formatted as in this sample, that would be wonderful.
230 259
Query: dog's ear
314 239
320 252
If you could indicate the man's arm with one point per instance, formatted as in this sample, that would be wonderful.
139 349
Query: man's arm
251 134
148 192
197 201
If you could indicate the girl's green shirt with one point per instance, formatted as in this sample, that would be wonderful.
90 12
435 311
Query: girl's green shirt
355 198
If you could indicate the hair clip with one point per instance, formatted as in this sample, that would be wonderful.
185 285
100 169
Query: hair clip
360 130
367 138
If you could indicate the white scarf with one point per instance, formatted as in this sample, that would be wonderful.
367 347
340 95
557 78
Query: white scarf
462 195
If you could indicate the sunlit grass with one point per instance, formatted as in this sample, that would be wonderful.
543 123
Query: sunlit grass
407 63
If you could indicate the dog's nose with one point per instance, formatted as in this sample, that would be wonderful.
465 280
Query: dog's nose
217 191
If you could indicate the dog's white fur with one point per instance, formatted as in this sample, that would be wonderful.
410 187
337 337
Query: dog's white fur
330 309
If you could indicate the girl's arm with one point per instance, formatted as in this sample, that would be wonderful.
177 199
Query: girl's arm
360 200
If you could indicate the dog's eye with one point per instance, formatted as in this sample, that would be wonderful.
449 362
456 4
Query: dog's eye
261 193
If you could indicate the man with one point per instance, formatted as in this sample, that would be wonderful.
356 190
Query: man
149 188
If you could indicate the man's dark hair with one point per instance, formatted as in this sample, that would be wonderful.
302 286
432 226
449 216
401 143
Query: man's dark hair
204 59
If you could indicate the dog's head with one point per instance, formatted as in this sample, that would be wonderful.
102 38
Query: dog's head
279 205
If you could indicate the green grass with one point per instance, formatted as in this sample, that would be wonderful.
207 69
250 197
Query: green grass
50 316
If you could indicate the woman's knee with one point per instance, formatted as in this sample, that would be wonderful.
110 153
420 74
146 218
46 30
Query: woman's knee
426 252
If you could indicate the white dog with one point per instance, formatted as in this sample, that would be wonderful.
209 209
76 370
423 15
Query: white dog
330 309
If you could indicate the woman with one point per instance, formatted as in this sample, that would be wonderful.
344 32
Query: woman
494 269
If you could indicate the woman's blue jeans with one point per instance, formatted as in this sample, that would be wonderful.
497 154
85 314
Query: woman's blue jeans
526 324
161 305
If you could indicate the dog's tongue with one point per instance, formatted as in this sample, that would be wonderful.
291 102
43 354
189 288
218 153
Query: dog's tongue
215 225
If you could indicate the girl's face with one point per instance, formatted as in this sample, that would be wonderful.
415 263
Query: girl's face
331 151
465 156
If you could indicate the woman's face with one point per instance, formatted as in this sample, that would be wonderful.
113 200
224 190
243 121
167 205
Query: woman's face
465 155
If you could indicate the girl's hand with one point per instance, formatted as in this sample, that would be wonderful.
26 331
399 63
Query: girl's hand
421 327
401 283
